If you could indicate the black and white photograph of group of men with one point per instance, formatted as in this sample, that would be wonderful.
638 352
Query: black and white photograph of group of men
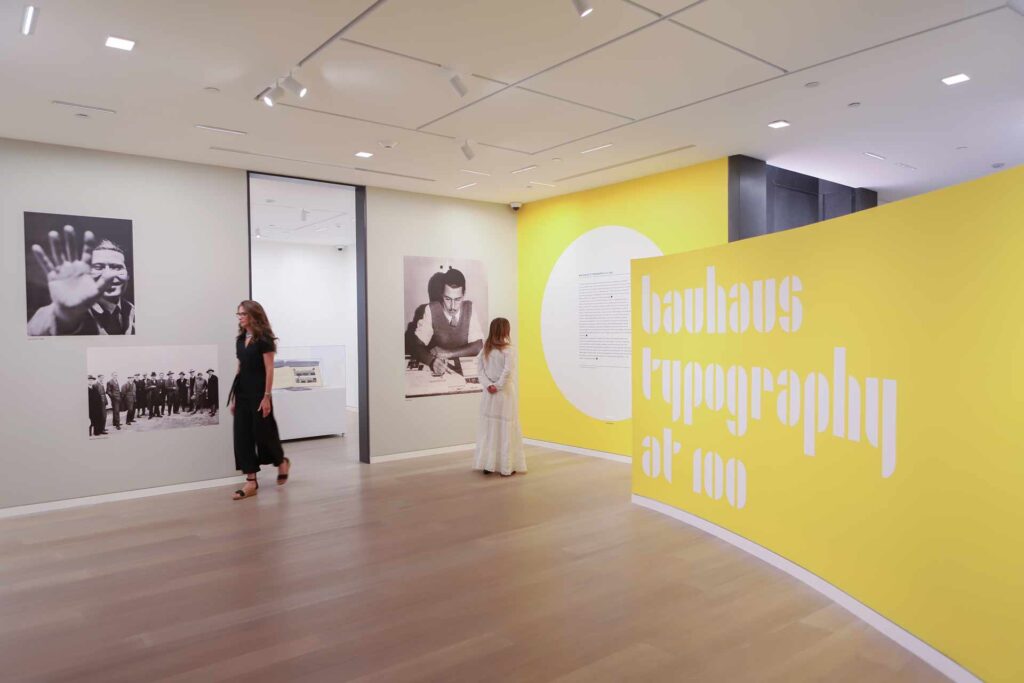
124 399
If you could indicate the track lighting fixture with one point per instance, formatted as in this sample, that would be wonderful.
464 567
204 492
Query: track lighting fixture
271 97
458 84
583 7
467 150
294 86
28 20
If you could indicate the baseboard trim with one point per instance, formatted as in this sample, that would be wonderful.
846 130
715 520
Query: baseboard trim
52 506
604 455
421 454
936 659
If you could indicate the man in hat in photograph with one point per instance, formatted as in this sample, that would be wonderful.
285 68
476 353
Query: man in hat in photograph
212 391
101 392
141 401
198 394
172 393
152 394
191 390
181 384
128 400
97 417
114 394
161 399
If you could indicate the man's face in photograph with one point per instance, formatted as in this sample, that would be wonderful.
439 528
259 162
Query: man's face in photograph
452 299
108 260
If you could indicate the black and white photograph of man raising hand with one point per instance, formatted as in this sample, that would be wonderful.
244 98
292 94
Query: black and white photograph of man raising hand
78 275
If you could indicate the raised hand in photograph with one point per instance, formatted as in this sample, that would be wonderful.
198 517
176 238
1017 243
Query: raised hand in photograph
86 287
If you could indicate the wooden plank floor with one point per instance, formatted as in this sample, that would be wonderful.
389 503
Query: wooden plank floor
417 570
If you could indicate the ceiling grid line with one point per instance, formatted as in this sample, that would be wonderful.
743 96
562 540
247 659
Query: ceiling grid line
642 7
775 78
349 117
712 76
625 163
505 84
337 35
562 63
728 45
320 163
573 102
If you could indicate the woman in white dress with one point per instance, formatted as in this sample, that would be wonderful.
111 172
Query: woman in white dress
499 444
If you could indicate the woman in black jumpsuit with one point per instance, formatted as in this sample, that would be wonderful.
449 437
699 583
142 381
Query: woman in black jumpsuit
256 437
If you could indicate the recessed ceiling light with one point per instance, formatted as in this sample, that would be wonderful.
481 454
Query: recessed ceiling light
28 20
387 144
120 43
779 124
524 169
556 160
874 156
463 187
364 155
216 129
594 149
956 78
466 170
537 182
583 7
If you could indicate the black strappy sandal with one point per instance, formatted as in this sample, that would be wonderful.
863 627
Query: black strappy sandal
240 493
282 479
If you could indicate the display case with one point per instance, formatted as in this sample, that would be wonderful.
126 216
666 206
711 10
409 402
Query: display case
309 391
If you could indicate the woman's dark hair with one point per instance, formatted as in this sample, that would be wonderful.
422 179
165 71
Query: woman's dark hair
261 330
499 335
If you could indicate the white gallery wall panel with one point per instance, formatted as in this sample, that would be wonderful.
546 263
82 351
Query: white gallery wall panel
401 224
189 269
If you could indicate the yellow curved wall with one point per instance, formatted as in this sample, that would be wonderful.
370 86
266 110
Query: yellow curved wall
926 294
679 210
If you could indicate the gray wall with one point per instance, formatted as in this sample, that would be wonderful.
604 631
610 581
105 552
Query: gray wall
402 224
191 269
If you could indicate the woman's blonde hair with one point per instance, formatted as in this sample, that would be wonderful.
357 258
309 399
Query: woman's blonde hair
499 335
261 330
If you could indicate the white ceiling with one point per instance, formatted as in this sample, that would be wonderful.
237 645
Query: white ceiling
301 211
667 82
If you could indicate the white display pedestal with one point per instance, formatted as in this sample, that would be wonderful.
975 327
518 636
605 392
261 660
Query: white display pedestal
316 412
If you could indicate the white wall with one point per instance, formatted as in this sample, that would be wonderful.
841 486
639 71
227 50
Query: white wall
403 224
191 271
309 293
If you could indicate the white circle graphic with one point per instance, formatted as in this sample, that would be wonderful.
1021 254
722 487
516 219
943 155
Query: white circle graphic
597 386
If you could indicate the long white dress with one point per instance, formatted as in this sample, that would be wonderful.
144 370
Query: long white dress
499 440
